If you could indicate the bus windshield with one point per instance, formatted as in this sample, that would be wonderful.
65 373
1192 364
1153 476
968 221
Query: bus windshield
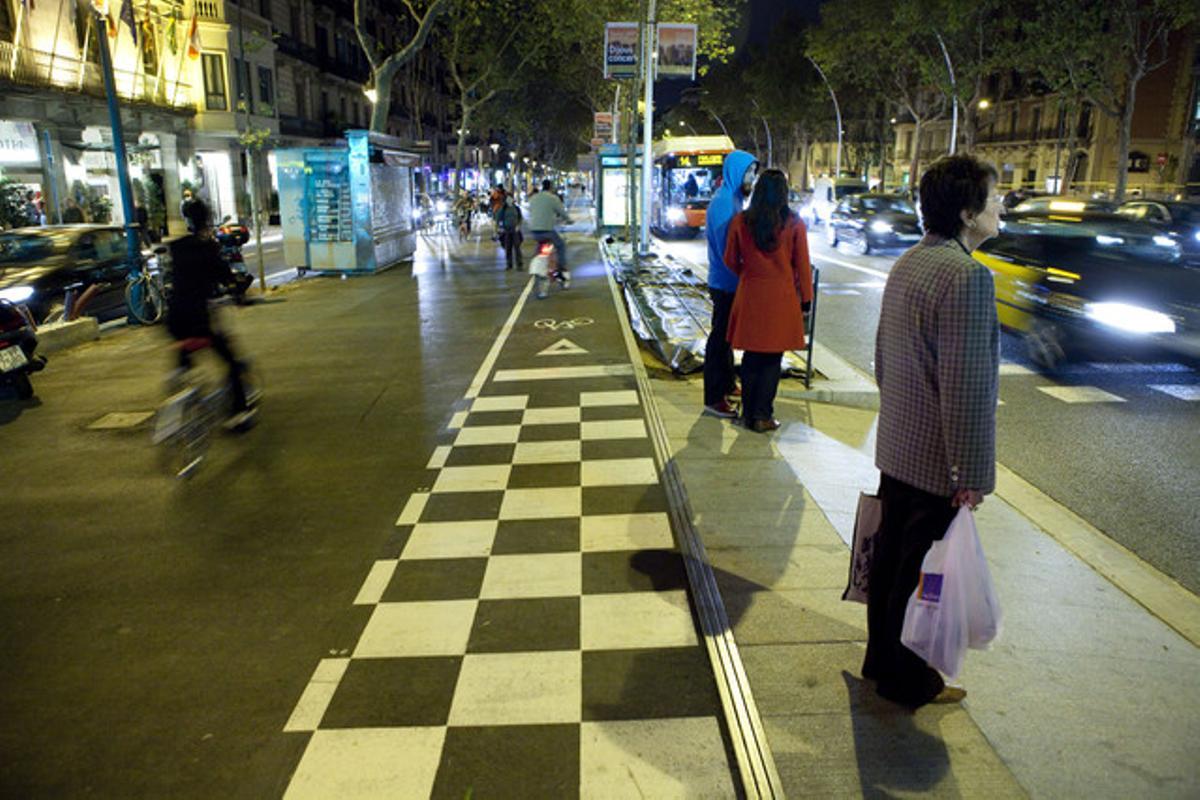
689 184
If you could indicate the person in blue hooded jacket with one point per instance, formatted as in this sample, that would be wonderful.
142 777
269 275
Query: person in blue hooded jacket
737 178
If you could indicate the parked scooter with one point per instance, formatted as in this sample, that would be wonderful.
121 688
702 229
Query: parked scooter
17 345
231 236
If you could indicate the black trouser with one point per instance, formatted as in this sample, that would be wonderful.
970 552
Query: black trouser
912 521
221 347
511 241
718 355
760 381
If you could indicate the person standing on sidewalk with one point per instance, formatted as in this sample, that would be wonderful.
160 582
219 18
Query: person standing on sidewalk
737 176
937 363
508 223
545 210
768 251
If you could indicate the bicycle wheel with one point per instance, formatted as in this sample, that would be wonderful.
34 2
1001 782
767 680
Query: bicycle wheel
144 299
182 430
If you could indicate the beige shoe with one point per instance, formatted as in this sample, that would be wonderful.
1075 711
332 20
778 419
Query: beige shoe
950 694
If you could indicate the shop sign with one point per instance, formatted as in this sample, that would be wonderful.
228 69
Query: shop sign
676 50
18 143
620 50
700 160
602 125
1139 162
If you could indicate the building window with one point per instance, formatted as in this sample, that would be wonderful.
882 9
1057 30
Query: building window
322 41
301 100
266 90
241 74
1035 124
264 9
214 82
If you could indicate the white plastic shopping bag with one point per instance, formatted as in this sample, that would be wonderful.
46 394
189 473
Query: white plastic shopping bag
866 525
954 605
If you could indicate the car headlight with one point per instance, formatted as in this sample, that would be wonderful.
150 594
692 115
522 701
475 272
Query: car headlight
1131 319
879 226
16 294
417 214
1109 240
442 206
1196 235
676 214
1164 241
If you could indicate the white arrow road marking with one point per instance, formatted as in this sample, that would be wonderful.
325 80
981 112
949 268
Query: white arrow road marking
563 347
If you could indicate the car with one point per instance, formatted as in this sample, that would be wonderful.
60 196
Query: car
825 196
1089 287
1051 204
873 222
1177 218
40 266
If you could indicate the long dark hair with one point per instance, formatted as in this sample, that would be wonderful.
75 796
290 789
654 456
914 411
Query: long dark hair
768 211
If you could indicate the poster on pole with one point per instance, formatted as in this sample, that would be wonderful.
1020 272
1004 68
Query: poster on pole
620 50
676 50
603 125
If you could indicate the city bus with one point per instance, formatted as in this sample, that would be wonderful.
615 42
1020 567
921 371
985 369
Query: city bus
687 170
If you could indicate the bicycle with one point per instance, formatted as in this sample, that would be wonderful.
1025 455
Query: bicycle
195 404
145 294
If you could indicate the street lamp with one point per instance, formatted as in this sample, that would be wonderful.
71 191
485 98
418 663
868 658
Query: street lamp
983 105
371 94
836 110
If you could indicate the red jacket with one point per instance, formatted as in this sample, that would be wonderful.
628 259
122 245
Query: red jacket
766 315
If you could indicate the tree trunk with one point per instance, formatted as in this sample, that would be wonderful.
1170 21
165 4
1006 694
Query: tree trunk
805 152
384 79
915 162
1123 136
462 137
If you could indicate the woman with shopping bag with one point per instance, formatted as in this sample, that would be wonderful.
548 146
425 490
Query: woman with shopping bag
937 360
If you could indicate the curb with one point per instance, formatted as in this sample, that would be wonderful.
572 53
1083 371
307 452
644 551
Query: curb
61 335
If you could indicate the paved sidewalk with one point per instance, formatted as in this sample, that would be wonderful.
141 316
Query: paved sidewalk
1084 694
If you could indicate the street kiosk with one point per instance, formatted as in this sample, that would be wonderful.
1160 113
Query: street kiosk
347 207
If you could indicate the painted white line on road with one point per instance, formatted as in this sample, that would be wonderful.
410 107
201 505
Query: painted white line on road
848 265
1181 391
486 367
563 373
413 508
376 581
1009 368
1080 394
317 694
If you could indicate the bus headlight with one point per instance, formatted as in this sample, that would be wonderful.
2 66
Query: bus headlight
1131 319
676 215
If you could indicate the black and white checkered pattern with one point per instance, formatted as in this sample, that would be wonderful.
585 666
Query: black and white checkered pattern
530 633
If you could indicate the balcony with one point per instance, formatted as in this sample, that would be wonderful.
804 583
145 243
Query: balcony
211 10
290 46
298 126
22 66
1025 136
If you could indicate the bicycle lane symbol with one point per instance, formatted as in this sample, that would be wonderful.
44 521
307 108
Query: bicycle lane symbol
550 324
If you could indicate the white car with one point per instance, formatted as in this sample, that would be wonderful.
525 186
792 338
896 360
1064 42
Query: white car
826 194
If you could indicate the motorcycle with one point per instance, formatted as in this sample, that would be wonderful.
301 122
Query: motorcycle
17 345
231 236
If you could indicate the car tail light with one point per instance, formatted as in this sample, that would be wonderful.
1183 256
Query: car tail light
10 319
545 248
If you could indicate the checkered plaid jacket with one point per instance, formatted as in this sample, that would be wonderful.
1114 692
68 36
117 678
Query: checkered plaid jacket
937 363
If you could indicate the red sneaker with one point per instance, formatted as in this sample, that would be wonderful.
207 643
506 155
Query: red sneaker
736 391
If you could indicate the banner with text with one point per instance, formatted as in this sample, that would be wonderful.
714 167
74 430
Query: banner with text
620 50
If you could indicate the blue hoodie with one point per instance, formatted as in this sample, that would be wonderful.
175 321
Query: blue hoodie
724 204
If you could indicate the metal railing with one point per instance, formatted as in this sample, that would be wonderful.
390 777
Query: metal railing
213 10
35 68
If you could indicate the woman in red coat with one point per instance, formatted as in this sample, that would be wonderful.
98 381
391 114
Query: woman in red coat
767 248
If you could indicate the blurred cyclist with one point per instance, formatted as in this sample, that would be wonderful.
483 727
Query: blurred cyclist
545 209
197 268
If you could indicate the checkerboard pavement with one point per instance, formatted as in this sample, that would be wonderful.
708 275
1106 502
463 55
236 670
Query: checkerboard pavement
530 633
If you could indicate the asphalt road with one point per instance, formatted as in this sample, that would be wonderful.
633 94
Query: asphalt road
1127 464
157 633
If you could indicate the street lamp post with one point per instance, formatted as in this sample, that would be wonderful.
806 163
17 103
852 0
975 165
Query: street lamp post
650 53
838 112
953 96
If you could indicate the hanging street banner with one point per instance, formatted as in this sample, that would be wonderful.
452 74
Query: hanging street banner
621 50
603 126
676 50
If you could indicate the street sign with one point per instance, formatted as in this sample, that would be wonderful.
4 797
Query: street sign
676 50
620 50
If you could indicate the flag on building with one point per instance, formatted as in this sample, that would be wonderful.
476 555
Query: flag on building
128 18
173 31
193 49
28 4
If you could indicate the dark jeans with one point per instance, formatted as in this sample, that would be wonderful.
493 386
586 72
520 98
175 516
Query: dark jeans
511 241
221 347
718 355
760 381
912 521
560 247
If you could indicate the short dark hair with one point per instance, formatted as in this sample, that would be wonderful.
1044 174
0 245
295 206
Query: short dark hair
951 185
547 185
197 215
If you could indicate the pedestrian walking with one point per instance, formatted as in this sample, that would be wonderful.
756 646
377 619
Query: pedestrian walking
72 214
508 222
937 361
738 173
767 249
